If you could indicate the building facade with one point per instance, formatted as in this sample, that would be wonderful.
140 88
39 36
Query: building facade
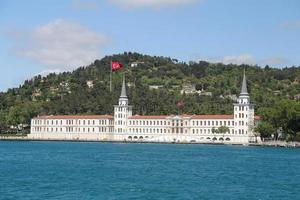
123 126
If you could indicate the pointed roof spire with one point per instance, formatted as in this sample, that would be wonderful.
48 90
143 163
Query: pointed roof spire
123 92
244 85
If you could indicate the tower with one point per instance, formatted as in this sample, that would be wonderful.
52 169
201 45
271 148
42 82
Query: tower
122 111
243 115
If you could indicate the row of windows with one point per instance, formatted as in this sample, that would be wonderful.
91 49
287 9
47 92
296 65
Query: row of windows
147 123
241 115
242 123
131 130
120 122
208 131
212 123
243 101
157 130
181 123
148 130
121 109
120 115
180 130
241 108
73 129
72 122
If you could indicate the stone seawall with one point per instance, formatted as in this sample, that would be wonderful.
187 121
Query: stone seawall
266 144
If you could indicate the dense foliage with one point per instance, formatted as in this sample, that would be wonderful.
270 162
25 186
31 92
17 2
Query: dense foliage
271 89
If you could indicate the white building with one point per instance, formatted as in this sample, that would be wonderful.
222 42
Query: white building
123 126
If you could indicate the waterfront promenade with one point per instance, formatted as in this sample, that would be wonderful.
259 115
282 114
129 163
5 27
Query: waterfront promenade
272 143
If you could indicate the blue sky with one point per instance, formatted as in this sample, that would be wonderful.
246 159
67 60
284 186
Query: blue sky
38 37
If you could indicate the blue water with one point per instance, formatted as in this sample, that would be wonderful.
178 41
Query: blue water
70 171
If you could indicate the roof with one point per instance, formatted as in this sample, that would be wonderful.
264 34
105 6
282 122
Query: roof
191 116
244 90
212 116
256 117
123 92
75 117
148 117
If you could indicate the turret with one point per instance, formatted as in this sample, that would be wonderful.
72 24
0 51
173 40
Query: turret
244 96
123 100
122 111
243 114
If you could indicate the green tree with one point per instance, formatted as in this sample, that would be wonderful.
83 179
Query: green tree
223 129
265 129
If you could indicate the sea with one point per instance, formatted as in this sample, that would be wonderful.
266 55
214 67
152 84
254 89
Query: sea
32 170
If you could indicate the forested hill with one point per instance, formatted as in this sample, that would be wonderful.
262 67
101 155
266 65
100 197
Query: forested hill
155 85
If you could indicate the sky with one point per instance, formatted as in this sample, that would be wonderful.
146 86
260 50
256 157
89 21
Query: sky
39 37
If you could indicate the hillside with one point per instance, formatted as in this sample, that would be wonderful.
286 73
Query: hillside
155 85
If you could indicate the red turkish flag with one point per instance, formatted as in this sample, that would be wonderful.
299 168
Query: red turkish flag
116 66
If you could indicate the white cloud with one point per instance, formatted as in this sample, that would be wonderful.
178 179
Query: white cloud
150 3
49 71
85 5
234 59
62 45
247 59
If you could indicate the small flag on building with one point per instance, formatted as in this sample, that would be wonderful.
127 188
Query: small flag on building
116 66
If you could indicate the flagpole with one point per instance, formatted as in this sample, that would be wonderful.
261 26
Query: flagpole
110 76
